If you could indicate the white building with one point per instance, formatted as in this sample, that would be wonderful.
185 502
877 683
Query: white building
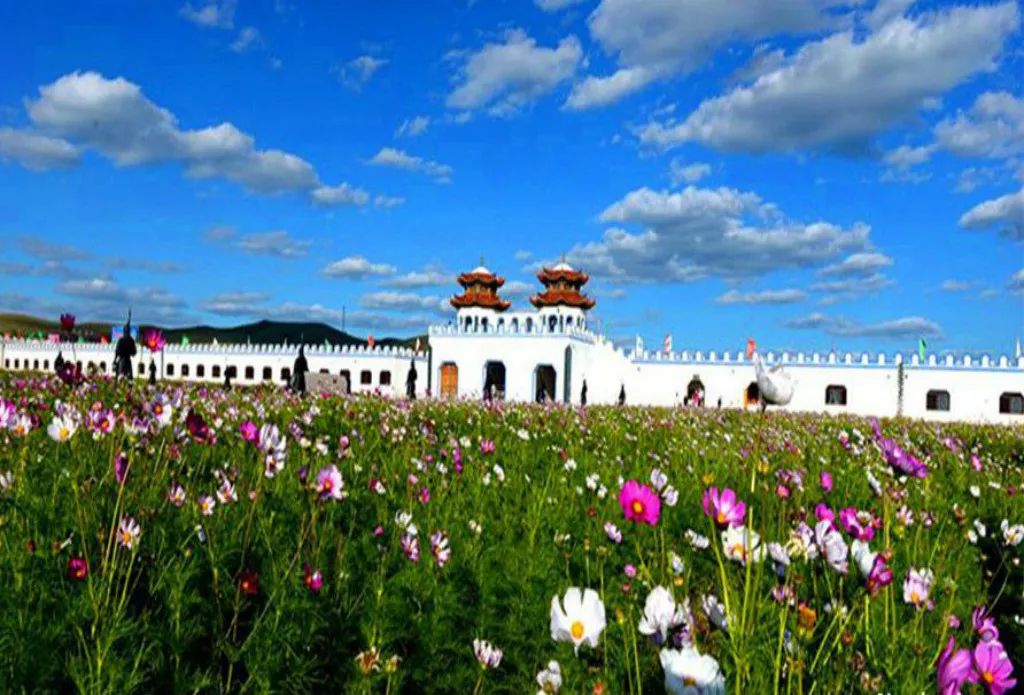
550 352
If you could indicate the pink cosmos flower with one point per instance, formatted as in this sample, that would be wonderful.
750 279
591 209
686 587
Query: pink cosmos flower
613 532
487 446
984 625
411 547
823 513
78 568
176 495
916 587
640 503
826 481
859 524
880 575
250 432
440 548
782 492
329 484
953 669
153 338
67 323
992 667
424 495
723 508
121 468
630 570
314 579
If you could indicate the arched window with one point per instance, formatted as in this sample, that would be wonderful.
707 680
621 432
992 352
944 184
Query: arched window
483 324
752 395
184 371
170 370
200 371
46 364
515 325
216 371
35 364
365 377
937 400
835 395
385 378
103 367
17 364
1011 403
7 364
552 322
250 373
142 368
286 374
268 374
529 324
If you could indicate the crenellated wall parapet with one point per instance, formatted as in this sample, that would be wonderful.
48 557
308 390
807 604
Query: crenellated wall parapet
814 359
215 349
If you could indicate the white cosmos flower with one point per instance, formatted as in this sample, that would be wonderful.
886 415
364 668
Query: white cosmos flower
659 614
739 543
1012 535
581 622
61 428
831 544
863 556
550 679
688 672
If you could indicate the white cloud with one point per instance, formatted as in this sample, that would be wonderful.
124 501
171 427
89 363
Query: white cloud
850 287
992 127
114 118
278 243
233 303
212 14
695 232
654 39
356 73
387 201
905 156
425 278
44 250
688 173
36 152
555 5
247 37
342 194
505 77
1005 212
897 329
412 127
144 264
972 177
863 263
400 159
357 267
956 286
1016 285
840 92
404 301
787 296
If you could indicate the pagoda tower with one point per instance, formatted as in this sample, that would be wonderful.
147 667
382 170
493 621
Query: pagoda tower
479 301
562 305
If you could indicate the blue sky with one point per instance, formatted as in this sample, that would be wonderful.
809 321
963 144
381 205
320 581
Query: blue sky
809 172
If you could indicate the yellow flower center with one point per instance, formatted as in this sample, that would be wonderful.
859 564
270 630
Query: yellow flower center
689 680
126 537
720 517
915 597
638 507
988 677
576 630
64 433
738 550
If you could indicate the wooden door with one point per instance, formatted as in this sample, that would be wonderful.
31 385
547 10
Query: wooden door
449 380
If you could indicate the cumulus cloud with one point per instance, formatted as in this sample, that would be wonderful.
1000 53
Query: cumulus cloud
86 110
863 263
356 268
787 296
404 301
49 251
687 173
1016 285
254 306
233 303
411 127
555 5
143 264
430 277
992 127
838 93
104 297
1005 213
507 76
356 73
653 39
689 234
342 194
956 286
213 14
278 242
36 152
400 159
247 38
897 329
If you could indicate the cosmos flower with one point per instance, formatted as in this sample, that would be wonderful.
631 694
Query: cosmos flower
78 569
992 667
916 587
487 655
859 524
696 540
206 505
197 427
740 543
984 625
661 615
176 495
715 611
825 478
250 433
153 339
120 468
832 546
639 503
688 672
411 547
902 461
440 548
128 532
226 492
249 582
67 323
953 669
723 508
550 679
329 485
62 428
581 622
1012 535
313 579
613 532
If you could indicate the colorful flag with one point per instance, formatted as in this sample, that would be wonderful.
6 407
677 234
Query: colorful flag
184 340
667 345
751 347
921 347
369 341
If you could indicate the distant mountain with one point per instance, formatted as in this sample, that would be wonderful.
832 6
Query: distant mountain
274 332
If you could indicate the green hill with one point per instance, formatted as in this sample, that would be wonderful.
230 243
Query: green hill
274 332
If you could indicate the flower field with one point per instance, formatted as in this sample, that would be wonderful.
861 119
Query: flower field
201 540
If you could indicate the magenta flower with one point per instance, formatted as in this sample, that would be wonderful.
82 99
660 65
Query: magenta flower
67 322
859 524
953 669
120 468
723 508
823 513
197 426
984 625
879 576
639 503
487 446
153 338
629 570
440 548
250 432
314 579
424 495
895 456
782 492
992 667
826 481
411 547
78 569
329 484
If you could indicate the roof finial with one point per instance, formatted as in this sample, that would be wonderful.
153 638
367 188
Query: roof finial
481 260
